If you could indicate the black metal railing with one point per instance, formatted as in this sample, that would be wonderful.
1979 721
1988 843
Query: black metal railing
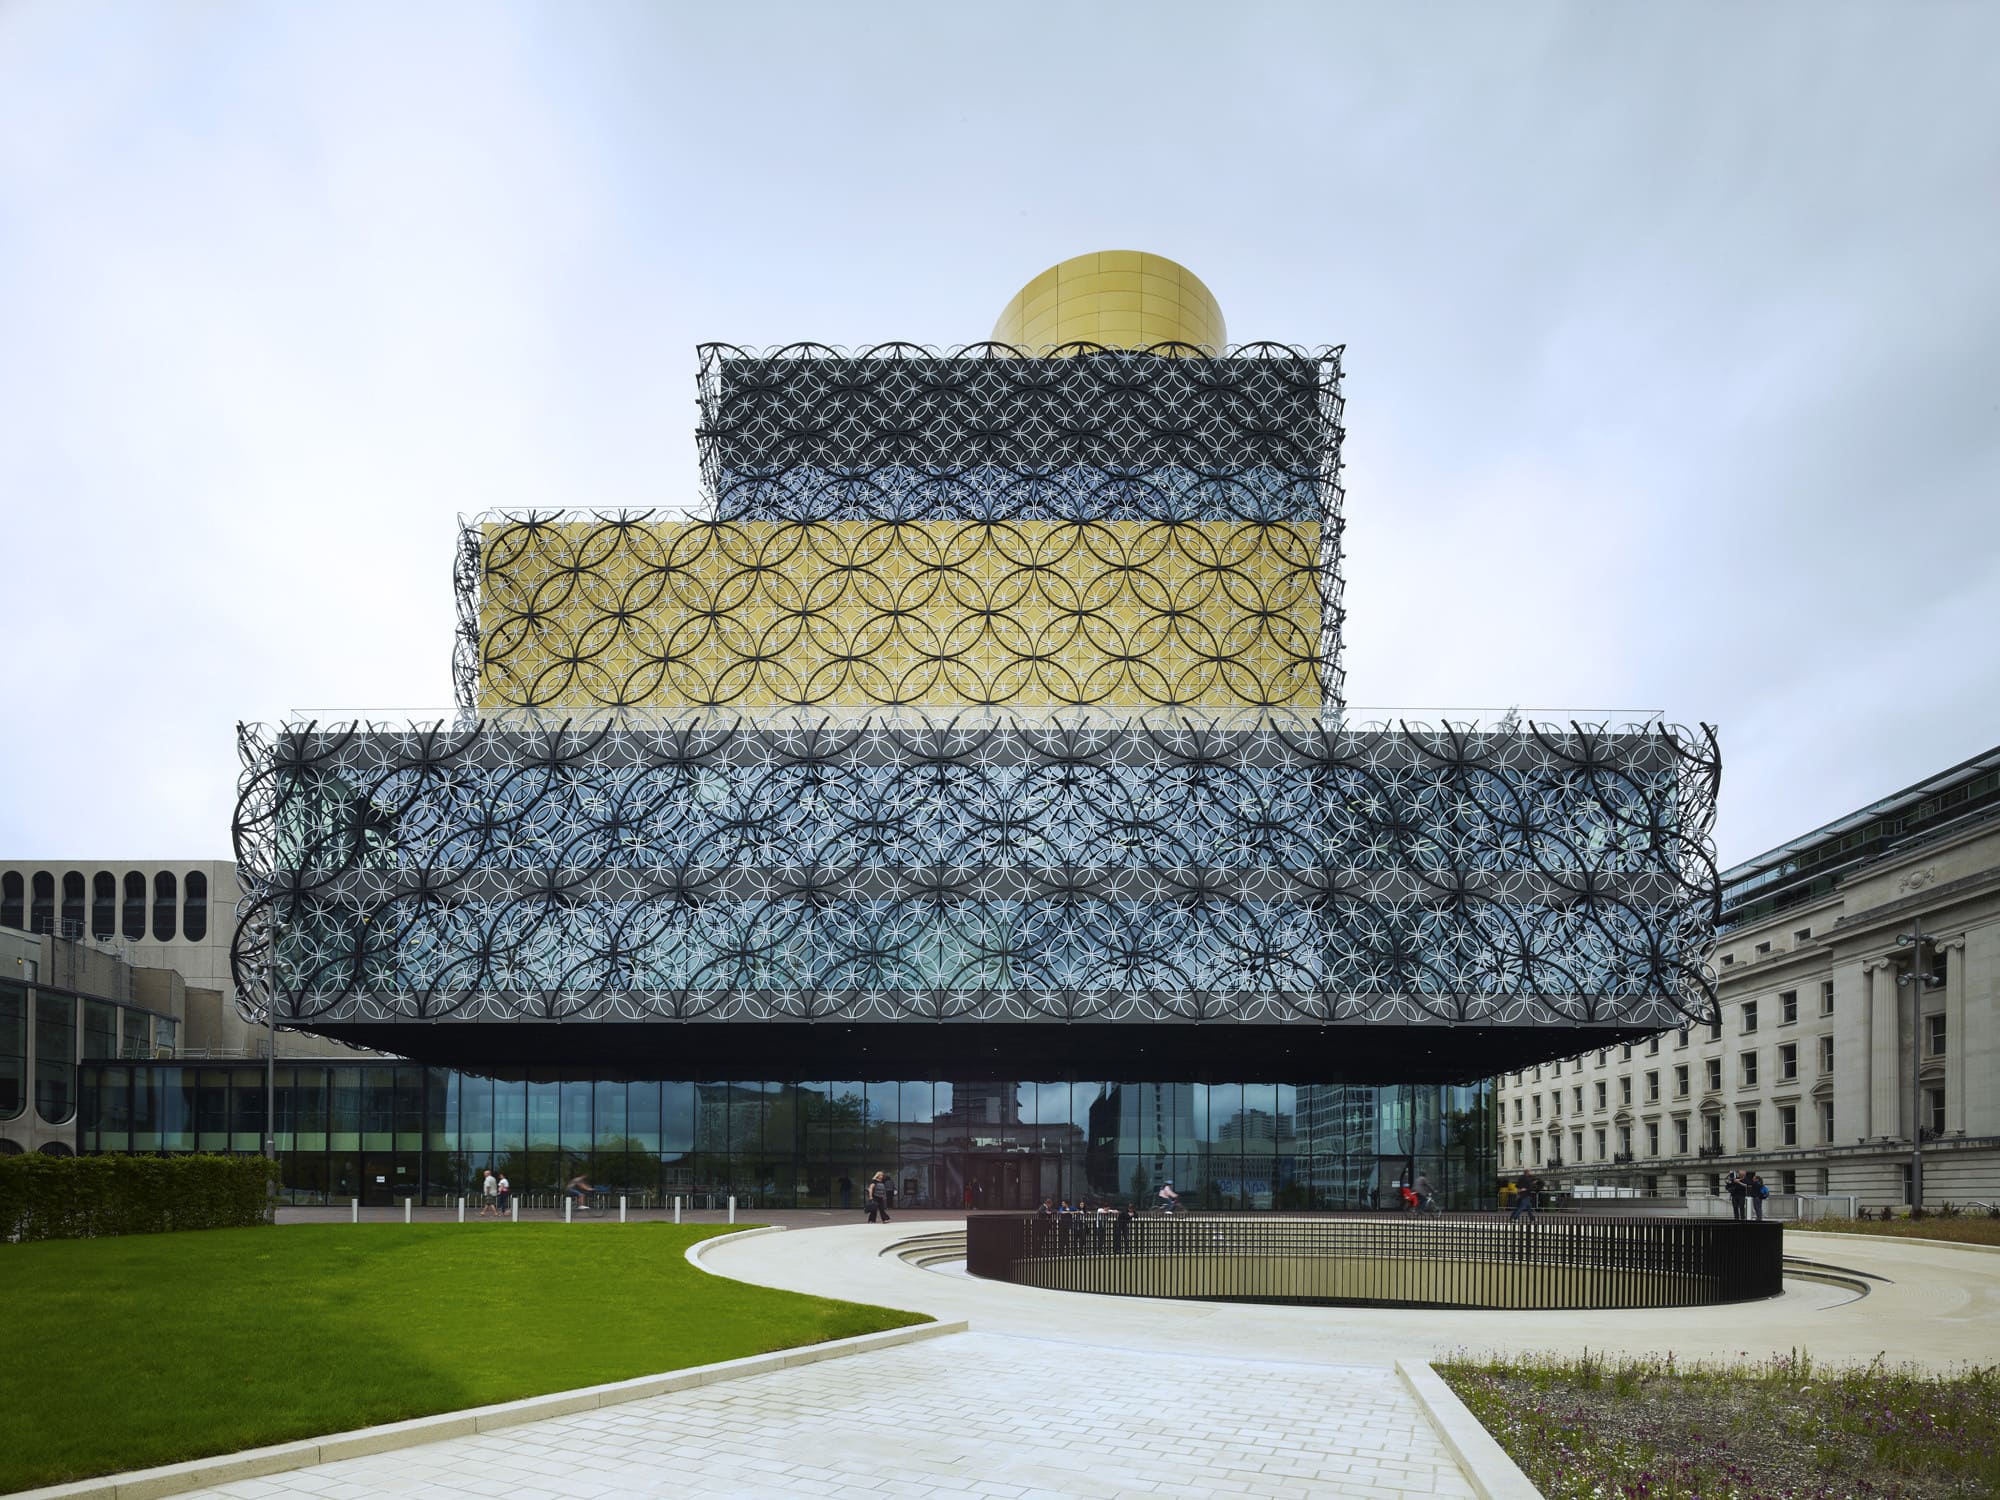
1373 1261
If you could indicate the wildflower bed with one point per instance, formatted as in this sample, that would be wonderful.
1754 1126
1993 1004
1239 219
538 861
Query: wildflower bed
1961 1231
1784 1429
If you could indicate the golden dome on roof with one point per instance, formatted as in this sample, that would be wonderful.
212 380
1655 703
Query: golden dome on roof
1127 299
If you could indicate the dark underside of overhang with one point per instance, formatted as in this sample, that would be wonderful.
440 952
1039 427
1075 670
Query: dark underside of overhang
1157 1052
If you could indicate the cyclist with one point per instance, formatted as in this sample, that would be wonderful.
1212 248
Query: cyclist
1169 1199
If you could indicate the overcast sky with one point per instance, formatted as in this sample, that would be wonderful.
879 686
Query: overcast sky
1673 334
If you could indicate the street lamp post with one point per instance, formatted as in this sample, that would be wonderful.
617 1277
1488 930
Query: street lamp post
271 1051
1918 979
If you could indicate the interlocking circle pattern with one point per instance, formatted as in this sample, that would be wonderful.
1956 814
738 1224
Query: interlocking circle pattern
988 687
915 868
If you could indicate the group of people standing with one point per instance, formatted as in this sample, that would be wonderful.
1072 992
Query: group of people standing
1747 1193
1071 1228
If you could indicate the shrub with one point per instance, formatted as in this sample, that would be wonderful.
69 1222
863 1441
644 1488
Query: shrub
83 1197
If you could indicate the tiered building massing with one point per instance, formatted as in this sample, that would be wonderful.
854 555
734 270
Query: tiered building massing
985 724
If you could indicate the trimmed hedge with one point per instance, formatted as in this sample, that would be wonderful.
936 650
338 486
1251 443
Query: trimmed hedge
83 1197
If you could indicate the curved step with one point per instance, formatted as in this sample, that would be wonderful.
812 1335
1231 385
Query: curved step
928 1249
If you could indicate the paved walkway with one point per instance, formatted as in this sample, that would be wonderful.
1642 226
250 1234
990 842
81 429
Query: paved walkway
1057 1394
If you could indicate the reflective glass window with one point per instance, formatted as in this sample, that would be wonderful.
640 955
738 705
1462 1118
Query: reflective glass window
166 901
544 1115
211 1110
132 922
574 1123
13 1050
475 1117
100 1030
378 1109
177 1108
103 904
246 1110
146 1109
509 1115
55 1058
440 1115
194 909
72 905
343 1122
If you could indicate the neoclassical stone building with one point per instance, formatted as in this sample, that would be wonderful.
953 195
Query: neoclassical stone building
1810 1078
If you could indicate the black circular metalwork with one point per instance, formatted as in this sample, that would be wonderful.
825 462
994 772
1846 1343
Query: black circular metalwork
1262 869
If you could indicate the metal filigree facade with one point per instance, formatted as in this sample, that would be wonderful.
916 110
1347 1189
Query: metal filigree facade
1001 871
905 528
624 610
993 688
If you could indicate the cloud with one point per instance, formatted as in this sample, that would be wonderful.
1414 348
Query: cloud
1671 338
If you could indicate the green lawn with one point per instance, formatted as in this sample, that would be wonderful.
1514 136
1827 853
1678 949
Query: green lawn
154 1348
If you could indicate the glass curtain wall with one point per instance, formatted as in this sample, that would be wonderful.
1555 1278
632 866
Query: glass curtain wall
383 1132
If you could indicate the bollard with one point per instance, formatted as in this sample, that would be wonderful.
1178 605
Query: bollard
354 1208
621 1208
514 1209
677 1208
732 1208
406 1210
568 1204
461 1210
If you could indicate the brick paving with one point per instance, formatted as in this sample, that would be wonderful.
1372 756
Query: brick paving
975 1415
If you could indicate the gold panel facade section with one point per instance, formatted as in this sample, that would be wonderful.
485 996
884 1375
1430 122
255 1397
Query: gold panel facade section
1126 299
758 614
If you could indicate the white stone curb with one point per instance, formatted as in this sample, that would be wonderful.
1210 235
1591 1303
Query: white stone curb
252 1463
1897 1239
1485 1464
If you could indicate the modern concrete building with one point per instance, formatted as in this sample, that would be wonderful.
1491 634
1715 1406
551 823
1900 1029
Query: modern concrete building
118 959
152 914
65 1002
1819 1066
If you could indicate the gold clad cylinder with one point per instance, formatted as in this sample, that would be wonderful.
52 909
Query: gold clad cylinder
1126 299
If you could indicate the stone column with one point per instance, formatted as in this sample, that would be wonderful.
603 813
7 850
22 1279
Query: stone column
1885 1073
1851 1025
1953 952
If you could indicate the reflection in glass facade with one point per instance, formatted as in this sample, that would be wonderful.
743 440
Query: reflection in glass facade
381 1132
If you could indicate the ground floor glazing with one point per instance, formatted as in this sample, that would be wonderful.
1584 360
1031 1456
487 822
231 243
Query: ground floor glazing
383 1132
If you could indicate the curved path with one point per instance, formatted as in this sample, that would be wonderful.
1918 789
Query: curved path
1057 1394
1935 1305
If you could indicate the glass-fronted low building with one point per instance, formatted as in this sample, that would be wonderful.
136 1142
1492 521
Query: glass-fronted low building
980 740
382 1132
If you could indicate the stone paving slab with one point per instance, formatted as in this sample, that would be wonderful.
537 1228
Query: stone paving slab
1932 1305
973 1415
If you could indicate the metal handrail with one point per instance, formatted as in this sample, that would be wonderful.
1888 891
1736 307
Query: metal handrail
1377 1261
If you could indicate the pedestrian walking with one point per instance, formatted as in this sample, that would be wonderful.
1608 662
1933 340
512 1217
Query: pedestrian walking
504 1198
1739 1192
1524 1199
878 1198
1757 1192
489 1195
